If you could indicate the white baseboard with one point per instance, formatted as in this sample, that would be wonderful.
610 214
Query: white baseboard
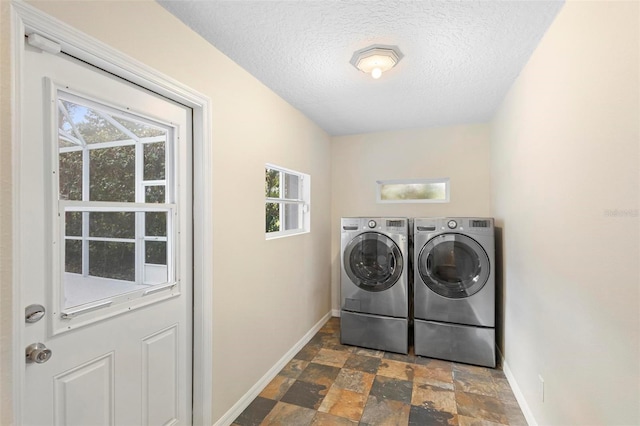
335 313
528 415
255 390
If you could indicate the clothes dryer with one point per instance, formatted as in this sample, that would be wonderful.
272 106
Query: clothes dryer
454 289
374 283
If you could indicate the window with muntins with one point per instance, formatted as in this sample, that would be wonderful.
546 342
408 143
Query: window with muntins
287 207
116 202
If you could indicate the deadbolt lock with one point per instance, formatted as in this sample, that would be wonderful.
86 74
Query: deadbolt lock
33 313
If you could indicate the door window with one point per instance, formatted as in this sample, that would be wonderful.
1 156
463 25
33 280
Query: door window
115 200
373 261
453 265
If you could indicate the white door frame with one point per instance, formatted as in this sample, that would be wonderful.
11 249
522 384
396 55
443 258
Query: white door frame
26 19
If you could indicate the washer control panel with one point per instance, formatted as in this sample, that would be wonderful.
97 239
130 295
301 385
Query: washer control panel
452 224
372 224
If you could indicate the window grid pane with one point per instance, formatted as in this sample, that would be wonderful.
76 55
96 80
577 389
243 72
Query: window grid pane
291 216
291 187
155 194
273 217
154 161
70 175
112 224
109 259
112 175
272 183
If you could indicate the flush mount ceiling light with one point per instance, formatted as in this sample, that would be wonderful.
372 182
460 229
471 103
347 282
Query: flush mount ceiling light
376 59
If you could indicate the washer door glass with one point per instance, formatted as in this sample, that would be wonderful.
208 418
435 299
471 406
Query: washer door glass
373 261
453 266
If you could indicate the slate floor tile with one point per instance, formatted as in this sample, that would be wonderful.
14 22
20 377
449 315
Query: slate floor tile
481 407
320 374
294 368
394 389
277 387
326 419
469 421
434 374
420 416
367 364
514 414
343 403
474 382
255 413
433 398
368 352
354 380
303 394
396 369
287 414
331 357
385 412
308 352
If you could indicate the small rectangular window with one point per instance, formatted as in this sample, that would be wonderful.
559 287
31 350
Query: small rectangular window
413 191
287 196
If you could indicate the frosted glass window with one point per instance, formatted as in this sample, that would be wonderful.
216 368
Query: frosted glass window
413 191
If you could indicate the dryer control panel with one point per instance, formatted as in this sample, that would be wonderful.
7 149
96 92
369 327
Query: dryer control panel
474 225
381 224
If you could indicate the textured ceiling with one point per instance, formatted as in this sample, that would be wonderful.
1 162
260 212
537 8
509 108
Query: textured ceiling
460 57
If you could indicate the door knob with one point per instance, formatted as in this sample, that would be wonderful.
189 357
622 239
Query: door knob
38 353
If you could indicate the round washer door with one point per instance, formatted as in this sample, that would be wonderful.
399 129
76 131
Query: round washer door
373 261
454 266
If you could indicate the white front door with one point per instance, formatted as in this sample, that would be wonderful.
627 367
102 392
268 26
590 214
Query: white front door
105 248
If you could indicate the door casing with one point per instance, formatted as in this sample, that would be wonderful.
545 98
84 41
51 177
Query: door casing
26 19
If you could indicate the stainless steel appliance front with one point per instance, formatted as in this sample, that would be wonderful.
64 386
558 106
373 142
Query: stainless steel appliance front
454 286
460 343
374 281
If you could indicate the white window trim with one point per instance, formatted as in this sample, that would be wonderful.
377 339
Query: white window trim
304 201
380 183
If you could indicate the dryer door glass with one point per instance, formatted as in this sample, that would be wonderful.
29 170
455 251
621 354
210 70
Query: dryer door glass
373 261
453 266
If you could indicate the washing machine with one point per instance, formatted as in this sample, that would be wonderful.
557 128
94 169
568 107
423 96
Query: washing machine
374 283
454 289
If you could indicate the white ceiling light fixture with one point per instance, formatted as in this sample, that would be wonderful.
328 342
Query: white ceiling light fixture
376 59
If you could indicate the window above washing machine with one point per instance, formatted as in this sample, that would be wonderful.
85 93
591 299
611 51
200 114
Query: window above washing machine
413 191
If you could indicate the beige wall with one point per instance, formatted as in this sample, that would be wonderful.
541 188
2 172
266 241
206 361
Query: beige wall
460 153
565 177
267 294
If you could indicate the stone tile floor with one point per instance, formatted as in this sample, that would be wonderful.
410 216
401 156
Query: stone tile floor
327 383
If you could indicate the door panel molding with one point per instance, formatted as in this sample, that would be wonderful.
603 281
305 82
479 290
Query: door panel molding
94 377
27 19
160 355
